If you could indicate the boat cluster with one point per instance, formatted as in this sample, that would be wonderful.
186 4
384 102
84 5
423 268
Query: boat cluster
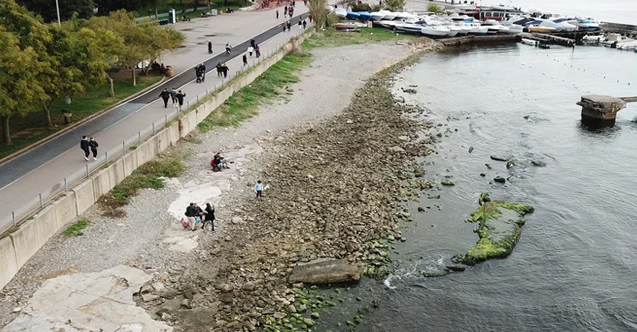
440 26
612 40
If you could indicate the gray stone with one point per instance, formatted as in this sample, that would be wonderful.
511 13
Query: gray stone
326 271
149 297
227 288
248 286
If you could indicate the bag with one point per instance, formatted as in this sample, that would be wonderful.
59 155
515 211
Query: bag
184 222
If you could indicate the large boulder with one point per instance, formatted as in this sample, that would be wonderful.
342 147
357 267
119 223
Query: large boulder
326 272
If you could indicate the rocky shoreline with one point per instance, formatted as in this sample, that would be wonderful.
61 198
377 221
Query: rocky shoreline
333 193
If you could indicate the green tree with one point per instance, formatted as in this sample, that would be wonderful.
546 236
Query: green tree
141 43
48 10
19 91
395 5
434 8
318 10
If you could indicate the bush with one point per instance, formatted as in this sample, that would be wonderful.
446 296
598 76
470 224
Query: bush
361 7
434 8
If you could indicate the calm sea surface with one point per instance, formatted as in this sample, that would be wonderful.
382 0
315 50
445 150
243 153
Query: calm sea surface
617 11
575 265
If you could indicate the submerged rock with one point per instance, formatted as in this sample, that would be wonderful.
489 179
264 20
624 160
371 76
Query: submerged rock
496 158
447 182
538 163
326 271
500 179
499 229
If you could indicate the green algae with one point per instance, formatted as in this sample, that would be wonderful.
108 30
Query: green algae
499 228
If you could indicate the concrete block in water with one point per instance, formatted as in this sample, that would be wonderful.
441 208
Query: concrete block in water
600 107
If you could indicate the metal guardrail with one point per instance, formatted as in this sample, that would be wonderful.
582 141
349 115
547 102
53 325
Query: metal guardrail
32 206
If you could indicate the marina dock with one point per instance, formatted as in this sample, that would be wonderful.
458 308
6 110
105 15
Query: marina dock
549 38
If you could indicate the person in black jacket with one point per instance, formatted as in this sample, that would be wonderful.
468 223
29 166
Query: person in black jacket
180 99
165 95
210 217
190 215
84 146
92 143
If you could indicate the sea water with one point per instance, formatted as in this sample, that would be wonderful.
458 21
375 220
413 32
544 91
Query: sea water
574 266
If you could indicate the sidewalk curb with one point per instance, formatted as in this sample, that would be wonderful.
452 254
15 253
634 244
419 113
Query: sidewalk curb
76 124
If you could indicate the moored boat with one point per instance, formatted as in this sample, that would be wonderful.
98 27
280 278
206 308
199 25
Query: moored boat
365 16
378 16
353 15
340 12
434 31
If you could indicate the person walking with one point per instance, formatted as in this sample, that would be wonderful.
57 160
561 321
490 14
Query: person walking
245 59
300 25
257 51
210 217
250 49
258 188
165 95
180 99
92 143
277 14
289 25
209 47
304 25
173 95
228 48
285 11
84 146
225 69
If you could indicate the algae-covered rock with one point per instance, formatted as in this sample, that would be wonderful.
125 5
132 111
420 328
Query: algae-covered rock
447 182
499 229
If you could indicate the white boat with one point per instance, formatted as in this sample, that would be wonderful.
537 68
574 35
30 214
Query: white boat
379 15
515 29
388 24
434 31
477 29
463 30
494 27
529 42
592 40
453 30
402 16
409 28
340 12
586 24
389 16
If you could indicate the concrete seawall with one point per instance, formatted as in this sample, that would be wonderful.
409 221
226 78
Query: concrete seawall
18 247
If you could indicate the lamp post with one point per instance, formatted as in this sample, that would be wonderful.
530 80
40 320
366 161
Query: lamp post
57 6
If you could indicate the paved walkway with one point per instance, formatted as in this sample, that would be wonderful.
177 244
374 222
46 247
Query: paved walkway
45 167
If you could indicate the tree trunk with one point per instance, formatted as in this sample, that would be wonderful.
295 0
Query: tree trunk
47 115
6 131
110 82
183 11
134 78
156 14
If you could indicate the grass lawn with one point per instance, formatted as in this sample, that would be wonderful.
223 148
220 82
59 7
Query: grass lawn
271 84
334 38
30 129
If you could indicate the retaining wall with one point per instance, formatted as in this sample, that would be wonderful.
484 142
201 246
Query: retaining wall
18 247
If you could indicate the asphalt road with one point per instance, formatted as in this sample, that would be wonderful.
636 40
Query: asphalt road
27 162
